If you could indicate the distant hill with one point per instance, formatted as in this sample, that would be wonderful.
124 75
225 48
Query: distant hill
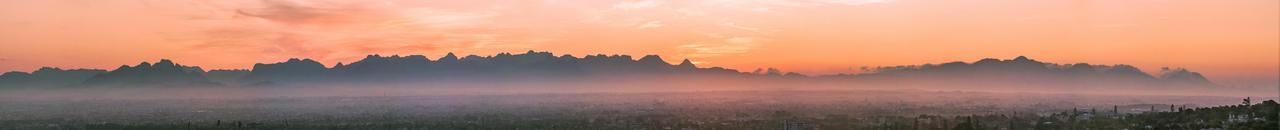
1182 75
1026 70
531 65
293 69
47 77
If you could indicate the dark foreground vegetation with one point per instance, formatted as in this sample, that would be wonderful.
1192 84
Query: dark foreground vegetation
725 111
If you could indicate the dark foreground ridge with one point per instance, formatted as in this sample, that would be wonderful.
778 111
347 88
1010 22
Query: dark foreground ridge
542 66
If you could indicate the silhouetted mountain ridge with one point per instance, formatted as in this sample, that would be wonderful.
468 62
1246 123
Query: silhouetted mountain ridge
531 65
503 66
163 73
47 77
1183 75
1023 69
293 69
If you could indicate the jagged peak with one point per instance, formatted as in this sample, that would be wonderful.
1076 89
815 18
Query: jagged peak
568 56
164 71
293 60
48 69
773 71
166 64
296 61
534 53
126 67
652 59
395 57
45 70
339 65
1166 72
687 64
417 57
1081 67
1123 67
448 57
472 57
144 64
1182 75
1022 58
987 61
373 56
292 63
165 61
162 65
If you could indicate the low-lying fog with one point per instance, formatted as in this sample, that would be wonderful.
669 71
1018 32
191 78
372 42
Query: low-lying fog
535 101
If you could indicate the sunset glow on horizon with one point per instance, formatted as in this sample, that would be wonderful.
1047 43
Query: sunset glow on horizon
1233 42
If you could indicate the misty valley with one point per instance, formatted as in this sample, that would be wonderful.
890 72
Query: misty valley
771 109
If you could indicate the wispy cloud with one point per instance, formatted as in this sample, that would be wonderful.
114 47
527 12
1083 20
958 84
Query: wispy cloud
740 40
732 45
813 3
333 29
327 29
740 27
650 24
637 4
855 2
692 12
789 3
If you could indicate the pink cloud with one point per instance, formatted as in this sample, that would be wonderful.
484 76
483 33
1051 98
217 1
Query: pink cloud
323 29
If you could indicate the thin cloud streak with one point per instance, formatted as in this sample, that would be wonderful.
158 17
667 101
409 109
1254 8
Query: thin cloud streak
324 29
730 46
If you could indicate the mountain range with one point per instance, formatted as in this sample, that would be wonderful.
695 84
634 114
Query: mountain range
1029 71
547 66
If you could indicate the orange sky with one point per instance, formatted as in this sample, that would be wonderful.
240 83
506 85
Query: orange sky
1233 41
